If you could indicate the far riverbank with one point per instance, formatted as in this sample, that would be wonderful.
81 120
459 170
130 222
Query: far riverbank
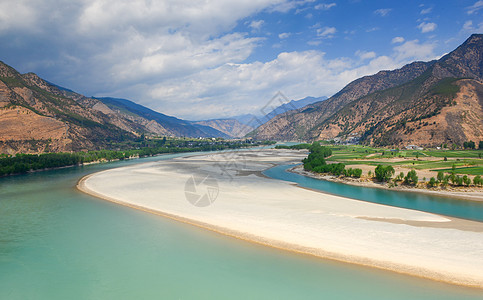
464 193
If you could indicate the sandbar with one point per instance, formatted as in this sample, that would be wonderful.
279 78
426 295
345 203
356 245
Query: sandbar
250 206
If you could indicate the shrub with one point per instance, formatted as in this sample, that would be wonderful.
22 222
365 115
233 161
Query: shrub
478 181
469 145
357 173
384 173
411 178
432 182
440 176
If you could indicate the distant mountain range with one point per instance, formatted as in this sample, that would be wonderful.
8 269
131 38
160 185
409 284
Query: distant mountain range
239 126
38 116
423 103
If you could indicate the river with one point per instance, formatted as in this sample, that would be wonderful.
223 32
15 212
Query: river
58 243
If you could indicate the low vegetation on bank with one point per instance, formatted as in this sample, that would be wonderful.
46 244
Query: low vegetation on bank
423 168
23 163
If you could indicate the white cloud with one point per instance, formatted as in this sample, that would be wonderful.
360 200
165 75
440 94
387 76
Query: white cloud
284 35
314 43
326 32
104 45
286 6
256 25
475 7
468 27
383 11
182 57
18 15
231 88
397 39
325 6
363 55
427 27
413 50
426 11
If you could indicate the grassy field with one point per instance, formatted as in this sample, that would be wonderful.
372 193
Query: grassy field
466 161
466 170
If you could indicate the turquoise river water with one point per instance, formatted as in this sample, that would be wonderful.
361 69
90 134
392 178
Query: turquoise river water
58 243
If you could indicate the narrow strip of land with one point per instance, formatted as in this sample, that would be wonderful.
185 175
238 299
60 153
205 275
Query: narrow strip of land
282 215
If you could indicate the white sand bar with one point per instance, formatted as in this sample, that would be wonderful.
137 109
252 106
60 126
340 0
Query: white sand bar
280 214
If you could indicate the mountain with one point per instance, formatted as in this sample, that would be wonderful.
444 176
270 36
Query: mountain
289 106
240 126
230 127
38 116
246 119
423 103
169 125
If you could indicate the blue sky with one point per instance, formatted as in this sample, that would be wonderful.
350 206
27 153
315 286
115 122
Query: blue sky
200 59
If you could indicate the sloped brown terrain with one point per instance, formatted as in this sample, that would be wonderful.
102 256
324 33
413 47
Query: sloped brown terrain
422 103
37 116
295 125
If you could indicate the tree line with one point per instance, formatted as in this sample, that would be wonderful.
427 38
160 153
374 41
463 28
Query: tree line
23 163
316 162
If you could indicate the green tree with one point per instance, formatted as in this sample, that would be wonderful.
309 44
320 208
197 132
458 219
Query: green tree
411 178
357 173
432 182
466 180
478 181
384 173
440 176
445 181
480 145
469 145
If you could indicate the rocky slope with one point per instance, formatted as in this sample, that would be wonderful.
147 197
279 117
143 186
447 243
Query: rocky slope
37 116
425 103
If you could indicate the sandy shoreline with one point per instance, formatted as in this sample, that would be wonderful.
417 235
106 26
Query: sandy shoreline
471 196
281 215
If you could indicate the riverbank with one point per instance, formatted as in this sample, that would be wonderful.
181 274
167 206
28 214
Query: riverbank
464 193
282 215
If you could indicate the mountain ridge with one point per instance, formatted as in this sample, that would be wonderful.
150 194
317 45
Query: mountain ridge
38 116
387 108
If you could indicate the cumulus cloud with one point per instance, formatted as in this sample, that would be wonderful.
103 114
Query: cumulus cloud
256 25
325 6
469 27
236 87
365 54
326 32
103 45
284 35
383 11
475 7
179 57
16 15
414 50
397 39
427 27
285 6
426 11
